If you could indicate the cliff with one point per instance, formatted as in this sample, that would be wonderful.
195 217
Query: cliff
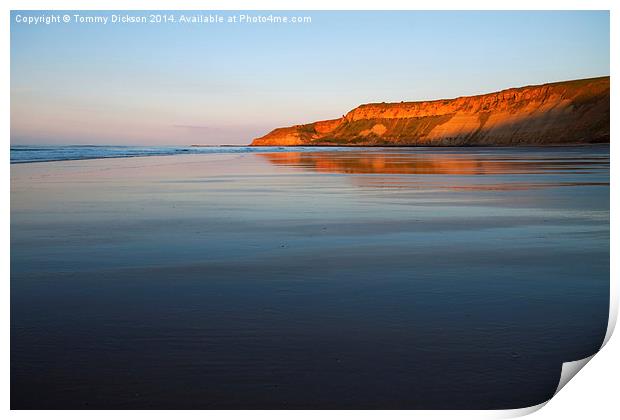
555 113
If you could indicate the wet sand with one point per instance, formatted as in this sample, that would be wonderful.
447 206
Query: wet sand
391 278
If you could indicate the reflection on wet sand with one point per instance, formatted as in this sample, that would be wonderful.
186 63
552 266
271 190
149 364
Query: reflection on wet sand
432 163
482 169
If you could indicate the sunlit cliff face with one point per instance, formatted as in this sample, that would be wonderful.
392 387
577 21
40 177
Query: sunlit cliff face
577 111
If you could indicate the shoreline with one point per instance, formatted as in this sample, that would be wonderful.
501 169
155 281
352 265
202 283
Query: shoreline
276 149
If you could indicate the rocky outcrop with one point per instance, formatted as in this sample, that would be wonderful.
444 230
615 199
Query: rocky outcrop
556 113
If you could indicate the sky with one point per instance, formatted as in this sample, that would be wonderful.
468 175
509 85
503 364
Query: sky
227 83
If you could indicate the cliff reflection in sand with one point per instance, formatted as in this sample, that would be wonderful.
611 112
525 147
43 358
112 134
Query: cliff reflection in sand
424 162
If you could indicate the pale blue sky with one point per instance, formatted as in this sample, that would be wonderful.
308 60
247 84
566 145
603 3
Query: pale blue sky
180 84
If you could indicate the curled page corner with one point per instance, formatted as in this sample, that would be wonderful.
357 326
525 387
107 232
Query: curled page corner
520 412
569 370
613 313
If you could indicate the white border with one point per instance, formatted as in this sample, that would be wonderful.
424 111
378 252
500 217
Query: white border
593 394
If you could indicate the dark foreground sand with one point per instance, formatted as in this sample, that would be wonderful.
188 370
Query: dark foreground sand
350 279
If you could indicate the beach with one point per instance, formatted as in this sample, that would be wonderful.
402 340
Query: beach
400 278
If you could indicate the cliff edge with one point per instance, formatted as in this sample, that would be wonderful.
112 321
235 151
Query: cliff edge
575 111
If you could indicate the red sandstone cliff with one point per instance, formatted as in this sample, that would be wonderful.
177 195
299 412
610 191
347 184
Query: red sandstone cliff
565 112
